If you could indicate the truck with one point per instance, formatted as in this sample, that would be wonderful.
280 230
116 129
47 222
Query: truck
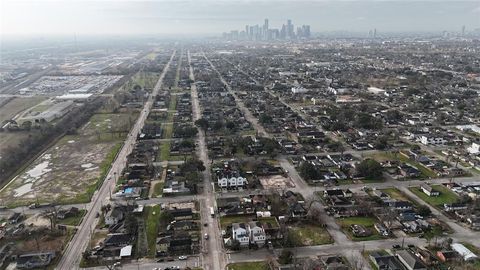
212 212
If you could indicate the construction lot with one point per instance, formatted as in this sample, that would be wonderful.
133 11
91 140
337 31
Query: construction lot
69 171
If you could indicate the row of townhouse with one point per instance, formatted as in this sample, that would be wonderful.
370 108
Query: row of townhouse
249 233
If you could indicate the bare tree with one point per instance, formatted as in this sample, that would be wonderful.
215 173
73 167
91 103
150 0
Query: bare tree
51 214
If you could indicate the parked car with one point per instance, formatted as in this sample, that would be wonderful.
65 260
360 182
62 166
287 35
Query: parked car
182 258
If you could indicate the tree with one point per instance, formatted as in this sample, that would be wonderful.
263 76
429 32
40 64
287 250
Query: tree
52 215
130 224
265 119
424 211
308 171
202 123
286 257
381 143
370 168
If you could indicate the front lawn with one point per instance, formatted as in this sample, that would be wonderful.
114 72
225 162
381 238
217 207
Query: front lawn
248 266
446 196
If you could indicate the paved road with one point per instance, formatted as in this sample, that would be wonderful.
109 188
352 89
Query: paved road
73 252
213 256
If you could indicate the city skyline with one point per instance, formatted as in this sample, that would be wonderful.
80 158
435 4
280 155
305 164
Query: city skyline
264 32
213 17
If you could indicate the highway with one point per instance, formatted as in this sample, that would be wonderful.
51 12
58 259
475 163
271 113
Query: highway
73 252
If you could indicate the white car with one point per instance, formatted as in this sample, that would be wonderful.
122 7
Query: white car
182 258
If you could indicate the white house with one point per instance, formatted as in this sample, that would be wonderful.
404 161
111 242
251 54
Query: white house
257 233
240 233
429 190
232 182
432 140
299 90
466 254
474 148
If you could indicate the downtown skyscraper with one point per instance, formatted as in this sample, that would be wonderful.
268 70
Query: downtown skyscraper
264 32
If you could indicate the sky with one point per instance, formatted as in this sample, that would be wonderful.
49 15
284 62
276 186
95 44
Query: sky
212 17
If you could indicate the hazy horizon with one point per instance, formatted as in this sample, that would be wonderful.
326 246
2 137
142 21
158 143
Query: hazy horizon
212 17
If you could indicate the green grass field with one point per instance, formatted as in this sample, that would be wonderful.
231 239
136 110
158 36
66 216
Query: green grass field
396 194
446 196
158 189
152 220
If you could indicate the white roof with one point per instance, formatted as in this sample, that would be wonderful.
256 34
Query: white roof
126 251
74 96
464 252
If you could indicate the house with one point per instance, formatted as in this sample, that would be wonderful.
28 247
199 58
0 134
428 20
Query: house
182 225
15 218
181 214
386 262
400 205
454 207
410 261
181 243
240 234
474 148
257 233
333 263
464 252
115 215
447 255
117 239
427 189
474 222
347 193
360 231
432 140
35 260
232 182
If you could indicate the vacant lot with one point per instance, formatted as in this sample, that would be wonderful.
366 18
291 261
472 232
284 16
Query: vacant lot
70 170
310 235
446 196
367 222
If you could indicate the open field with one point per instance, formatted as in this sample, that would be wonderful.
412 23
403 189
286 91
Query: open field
446 195
18 105
70 170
